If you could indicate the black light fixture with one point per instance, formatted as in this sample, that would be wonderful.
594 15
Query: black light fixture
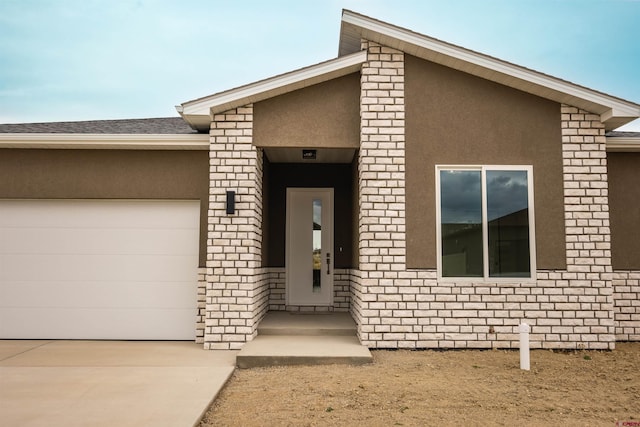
231 202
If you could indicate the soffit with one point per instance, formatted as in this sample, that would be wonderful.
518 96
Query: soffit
323 155
614 111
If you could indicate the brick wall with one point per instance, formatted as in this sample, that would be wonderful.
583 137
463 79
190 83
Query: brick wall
626 291
202 305
237 288
399 308
277 292
393 306
381 168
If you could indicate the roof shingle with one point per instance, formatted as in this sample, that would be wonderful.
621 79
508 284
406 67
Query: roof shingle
163 125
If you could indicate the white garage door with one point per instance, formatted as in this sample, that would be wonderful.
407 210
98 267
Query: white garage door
98 269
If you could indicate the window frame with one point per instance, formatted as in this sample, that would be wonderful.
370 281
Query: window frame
485 225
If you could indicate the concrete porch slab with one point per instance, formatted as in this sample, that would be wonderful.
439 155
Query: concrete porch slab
279 350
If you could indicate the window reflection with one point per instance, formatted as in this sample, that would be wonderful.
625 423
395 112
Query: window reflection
317 245
508 227
461 219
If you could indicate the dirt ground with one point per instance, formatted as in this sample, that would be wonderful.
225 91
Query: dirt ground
424 388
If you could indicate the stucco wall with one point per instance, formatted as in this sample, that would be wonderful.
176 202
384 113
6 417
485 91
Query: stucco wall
320 116
624 209
455 118
107 174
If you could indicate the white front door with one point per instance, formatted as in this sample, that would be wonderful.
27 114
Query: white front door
309 246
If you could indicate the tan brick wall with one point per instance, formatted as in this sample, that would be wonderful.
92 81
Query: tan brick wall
277 292
396 307
202 305
237 287
381 221
626 292
399 308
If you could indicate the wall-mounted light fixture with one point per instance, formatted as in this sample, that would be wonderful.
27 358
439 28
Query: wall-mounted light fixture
231 202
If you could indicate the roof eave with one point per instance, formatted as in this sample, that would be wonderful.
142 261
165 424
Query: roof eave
105 141
623 144
198 113
614 112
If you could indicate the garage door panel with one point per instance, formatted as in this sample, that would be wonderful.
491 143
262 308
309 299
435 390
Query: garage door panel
96 269
87 267
100 241
89 213
91 323
98 295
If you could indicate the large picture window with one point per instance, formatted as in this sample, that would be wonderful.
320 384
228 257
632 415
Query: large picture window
485 222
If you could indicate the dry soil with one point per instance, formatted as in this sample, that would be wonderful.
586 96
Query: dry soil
424 388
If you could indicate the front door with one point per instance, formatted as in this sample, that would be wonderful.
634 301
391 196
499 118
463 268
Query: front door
309 246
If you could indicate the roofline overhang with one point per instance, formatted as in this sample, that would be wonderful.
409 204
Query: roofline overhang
623 144
199 112
614 112
86 141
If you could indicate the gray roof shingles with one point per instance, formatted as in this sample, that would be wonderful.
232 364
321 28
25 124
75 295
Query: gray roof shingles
164 125
617 134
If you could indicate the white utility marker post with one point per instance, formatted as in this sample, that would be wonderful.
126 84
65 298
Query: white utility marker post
524 346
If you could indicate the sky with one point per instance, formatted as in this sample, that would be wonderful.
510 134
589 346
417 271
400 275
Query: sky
67 60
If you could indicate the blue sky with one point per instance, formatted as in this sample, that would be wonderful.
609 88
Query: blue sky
64 60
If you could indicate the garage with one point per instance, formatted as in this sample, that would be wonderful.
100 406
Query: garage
98 269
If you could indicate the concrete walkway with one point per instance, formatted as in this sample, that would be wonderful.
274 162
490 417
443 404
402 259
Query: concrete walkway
108 383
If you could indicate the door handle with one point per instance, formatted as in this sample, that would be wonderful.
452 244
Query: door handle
328 263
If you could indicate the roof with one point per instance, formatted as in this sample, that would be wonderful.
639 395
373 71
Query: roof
168 133
614 111
164 125
199 112
623 141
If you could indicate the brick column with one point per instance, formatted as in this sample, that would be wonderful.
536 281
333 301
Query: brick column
588 234
236 286
381 176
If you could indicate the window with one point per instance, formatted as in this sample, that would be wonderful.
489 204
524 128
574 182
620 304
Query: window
485 222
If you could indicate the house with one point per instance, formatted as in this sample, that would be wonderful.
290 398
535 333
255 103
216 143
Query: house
439 195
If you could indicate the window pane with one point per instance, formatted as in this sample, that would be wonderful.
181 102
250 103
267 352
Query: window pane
508 216
461 222
317 245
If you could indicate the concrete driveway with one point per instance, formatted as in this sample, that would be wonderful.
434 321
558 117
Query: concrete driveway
108 383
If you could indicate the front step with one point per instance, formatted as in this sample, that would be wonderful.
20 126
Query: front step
285 323
304 339
279 350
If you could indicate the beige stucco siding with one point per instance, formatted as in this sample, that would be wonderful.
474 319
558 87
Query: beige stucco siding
107 174
624 210
326 115
458 119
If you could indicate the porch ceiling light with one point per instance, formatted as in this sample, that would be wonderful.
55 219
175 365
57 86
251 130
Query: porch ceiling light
309 154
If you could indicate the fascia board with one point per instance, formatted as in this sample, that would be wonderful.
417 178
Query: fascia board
105 141
461 58
273 86
621 144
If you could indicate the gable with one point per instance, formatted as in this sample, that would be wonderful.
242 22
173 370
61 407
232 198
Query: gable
456 118
325 115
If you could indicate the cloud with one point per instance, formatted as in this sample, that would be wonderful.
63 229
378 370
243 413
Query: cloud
461 197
